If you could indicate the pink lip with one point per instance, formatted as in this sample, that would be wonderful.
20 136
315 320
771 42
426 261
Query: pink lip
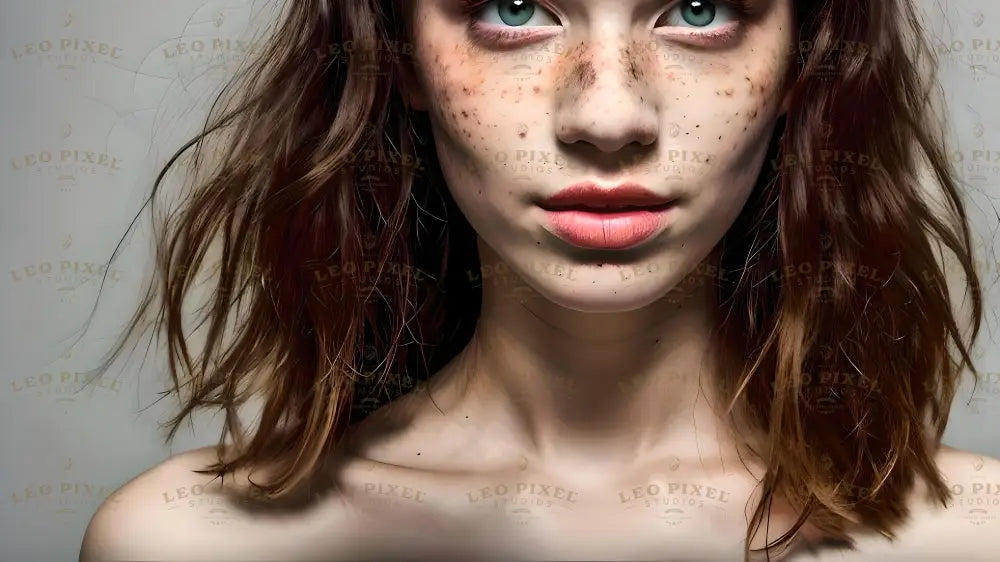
589 194
587 216
608 231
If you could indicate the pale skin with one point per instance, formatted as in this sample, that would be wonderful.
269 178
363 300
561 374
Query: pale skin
578 423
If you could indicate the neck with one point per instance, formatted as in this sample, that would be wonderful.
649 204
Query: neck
605 389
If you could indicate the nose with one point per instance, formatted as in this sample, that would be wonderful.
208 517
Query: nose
605 99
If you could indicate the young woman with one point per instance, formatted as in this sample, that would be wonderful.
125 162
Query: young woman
572 279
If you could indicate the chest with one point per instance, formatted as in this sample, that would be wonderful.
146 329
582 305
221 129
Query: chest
538 517
387 513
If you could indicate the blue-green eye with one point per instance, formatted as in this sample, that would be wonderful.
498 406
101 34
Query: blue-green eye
700 14
515 13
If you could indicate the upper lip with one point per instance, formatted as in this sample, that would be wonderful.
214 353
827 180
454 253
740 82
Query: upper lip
593 196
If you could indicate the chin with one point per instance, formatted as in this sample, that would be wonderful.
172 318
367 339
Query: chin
604 292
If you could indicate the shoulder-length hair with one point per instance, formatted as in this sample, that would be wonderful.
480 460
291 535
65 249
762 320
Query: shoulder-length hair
345 267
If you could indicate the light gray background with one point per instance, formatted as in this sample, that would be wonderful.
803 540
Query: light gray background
136 99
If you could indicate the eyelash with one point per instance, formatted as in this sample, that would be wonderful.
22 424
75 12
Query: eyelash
505 37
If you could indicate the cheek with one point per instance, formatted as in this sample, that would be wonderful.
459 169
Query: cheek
456 104
463 98
724 109
728 107
487 112
724 106
479 103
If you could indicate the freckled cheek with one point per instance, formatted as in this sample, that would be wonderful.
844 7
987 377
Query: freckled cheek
490 111
459 99
728 113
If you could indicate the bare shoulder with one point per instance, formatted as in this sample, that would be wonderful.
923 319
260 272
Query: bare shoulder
970 523
170 512
114 531
974 509
968 528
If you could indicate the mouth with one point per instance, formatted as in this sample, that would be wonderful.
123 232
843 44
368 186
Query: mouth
610 228
590 216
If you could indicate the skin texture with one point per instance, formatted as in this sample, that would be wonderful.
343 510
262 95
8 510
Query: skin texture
605 97
586 381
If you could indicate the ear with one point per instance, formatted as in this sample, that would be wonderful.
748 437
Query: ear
411 86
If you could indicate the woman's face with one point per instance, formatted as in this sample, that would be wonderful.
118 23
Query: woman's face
527 98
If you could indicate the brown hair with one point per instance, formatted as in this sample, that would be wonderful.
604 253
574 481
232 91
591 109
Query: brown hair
328 174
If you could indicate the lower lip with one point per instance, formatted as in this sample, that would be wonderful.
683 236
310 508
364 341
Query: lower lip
609 231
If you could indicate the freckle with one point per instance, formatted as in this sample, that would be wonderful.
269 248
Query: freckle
584 74
537 89
522 135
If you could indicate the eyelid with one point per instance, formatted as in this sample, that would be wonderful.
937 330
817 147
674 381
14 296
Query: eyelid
502 36
734 13
718 36
542 5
